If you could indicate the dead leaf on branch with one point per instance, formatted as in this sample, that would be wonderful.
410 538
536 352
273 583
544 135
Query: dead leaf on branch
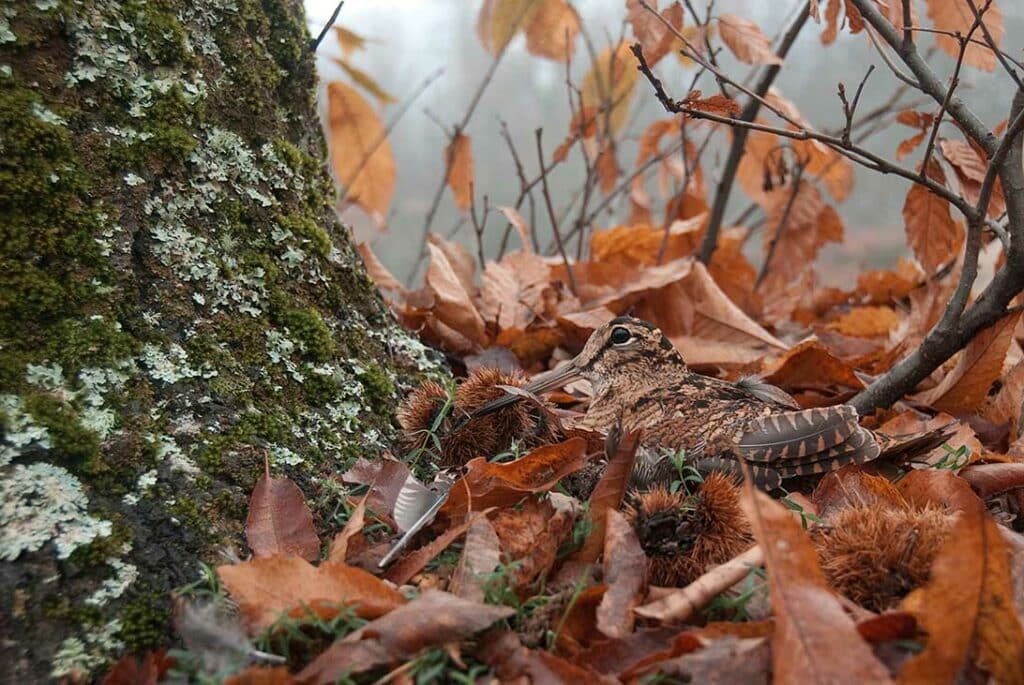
933 234
500 20
365 81
458 159
552 31
279 522
656 39
957 17
608 86
745 40
715 104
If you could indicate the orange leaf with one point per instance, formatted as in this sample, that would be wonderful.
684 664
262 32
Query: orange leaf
553 30
459 158
866 322
265 588
354 525
364 81
349 40
607 169
480 556
650 31
129 671
262 675
933 235
967 607
608 86
625 572
500 20
716 104
957 16
360 151
980 364
811 365
531 535
744 38
279 521
815 640
607 496
452 303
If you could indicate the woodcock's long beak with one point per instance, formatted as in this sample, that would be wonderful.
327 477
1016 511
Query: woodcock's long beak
545 382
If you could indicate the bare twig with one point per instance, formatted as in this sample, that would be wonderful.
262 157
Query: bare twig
478 225
850 109
790 201
991 44
551 213
327 27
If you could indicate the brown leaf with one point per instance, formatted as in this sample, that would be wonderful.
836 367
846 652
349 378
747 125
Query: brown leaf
378 272
851 486
933 235
385 478
967 607
940 487
956 16
988 480
360 151
650 31
354 525
517 221
607 168
815 640
980 364
725 660
480 556
453 305
607 496
413 562
866 322
500 20
552 31
265 588
970 166
810 365
279 521
262 675
462 261
486 484
458 159
832 19
349 40
716 104
531 535
744 39
433 619
364 81
608 86
1007 405
129 671
625 572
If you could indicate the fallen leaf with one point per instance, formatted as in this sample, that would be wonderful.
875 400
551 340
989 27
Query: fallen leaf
744 39
480 556
988 480
262 675
619 655
964 388
957 17
815 640
354 525
279 522
933 235
129 671
531 535
941 487
385 478
1007 406
453 304
810 365
851 486
967 607
458 159
607 496
552 31
413 562
360 151
487 484
267 587
433 619
866 322
625 573
726 660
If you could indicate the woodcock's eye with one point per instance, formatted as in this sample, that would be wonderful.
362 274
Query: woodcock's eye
620 336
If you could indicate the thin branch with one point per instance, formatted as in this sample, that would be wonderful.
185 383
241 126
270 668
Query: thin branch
551 213
327 27
783 220
991 44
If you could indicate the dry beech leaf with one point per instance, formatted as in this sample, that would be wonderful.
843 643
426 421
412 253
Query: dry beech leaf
500 20
940 487
1008 403
531 535
413 562
810 365
866 322
815 640
279 522
957 16
967 607
607 496
582 127
386 477
360 151
365 81
832 19
650 31
988 480
970 167
265 588
744 39
463 263
458 159
378 272
354 525
933 235
552 31
716 104
625 572
453 305
980 364
349 40
480 556
433 619
488 484
262 675
129 671
609 85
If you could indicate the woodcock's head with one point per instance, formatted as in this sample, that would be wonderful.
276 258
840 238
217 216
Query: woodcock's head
625 352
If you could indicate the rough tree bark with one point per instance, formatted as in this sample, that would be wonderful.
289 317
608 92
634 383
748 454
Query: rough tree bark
177 302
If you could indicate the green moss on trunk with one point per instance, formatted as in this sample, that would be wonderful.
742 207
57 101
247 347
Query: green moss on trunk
177 303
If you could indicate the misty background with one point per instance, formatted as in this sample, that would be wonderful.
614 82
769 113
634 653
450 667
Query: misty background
410 39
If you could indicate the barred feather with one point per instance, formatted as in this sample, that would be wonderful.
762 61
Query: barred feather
796 434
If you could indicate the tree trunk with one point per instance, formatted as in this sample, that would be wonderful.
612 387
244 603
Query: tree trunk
178 302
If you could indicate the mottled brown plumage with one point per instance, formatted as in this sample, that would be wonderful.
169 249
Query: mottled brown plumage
640 379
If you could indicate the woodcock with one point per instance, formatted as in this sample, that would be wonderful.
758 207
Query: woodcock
641 382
